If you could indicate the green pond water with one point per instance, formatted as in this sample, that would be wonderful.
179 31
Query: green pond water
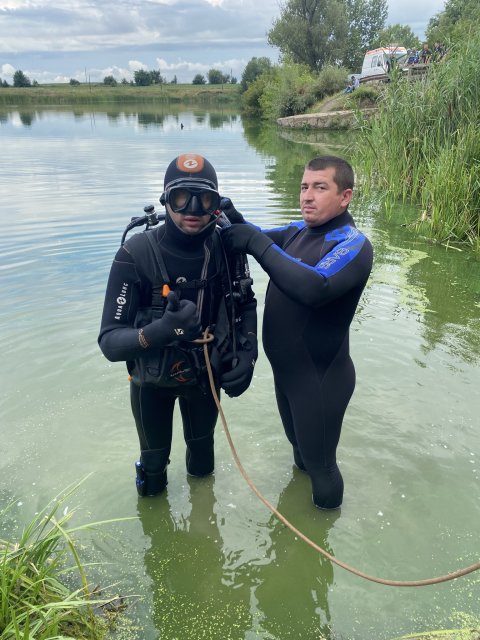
206 559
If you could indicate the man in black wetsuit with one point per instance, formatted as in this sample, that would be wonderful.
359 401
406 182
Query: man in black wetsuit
318 269
166 286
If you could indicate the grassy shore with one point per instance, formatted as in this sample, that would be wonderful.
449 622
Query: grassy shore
66 94
43 583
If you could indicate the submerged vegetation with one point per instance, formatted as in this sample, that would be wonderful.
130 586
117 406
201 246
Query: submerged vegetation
36 602
424 145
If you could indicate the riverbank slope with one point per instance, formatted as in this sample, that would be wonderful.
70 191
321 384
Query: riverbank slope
340 111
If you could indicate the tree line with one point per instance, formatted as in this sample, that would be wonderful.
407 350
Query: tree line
141 78
144 78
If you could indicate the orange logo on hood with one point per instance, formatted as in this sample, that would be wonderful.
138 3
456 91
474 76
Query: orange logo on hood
190 163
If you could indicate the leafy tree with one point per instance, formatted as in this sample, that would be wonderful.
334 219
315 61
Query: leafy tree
4 84
455 22
20 79
110 81
400 34
124 81
156 77
74 82
174 80
252 96
145 78
255 67
233 80
311 32
199 79
366 18
142 78
215 76
319 32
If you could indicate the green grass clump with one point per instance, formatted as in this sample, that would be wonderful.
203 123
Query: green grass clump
35 603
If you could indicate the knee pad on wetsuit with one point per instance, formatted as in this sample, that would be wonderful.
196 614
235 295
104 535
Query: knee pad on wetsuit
200 456
327 488
151 471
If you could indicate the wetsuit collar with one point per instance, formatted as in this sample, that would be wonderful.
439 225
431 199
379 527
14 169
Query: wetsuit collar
342 220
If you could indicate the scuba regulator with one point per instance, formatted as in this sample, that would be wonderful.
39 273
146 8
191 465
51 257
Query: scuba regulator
151 218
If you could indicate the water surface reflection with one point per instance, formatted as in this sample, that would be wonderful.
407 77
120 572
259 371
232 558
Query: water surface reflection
206 556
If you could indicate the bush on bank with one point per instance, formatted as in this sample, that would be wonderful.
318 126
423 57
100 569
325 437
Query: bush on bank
291 89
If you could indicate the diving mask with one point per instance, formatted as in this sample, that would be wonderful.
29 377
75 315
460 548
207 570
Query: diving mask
192 198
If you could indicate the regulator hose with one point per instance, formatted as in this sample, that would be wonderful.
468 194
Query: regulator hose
207 337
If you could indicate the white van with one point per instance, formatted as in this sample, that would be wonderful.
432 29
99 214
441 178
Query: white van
378 62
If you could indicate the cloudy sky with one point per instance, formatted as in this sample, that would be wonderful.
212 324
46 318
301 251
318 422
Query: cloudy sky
55 40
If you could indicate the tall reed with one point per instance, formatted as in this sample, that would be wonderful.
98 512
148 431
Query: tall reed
35 602
424 145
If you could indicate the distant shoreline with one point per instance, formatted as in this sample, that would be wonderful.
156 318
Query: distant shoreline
66 94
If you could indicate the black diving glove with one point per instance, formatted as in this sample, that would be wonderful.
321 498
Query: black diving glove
246 238
179 322
235 217
237 380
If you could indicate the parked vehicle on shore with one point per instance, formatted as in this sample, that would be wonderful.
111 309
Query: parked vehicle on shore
378 63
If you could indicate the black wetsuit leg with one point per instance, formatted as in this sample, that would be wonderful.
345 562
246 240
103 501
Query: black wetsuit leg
153 413
199 416
153 409
312 400
288 425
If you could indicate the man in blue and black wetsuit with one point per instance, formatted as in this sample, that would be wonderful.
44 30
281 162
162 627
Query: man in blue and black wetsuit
166 286
318 269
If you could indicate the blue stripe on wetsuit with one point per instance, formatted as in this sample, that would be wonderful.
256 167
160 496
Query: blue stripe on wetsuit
350 241
300 224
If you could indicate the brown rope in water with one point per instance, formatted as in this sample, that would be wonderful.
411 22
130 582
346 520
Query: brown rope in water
392 583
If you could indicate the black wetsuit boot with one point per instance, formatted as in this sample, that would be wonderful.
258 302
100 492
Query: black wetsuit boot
152 471
200 458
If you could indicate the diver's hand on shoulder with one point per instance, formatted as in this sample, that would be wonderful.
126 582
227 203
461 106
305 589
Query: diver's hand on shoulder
235 217
179 322
246 238
237 380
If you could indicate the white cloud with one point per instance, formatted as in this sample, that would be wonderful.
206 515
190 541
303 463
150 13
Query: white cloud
135 65
7 71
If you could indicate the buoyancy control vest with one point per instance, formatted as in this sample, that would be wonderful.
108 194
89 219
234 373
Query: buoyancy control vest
183 363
